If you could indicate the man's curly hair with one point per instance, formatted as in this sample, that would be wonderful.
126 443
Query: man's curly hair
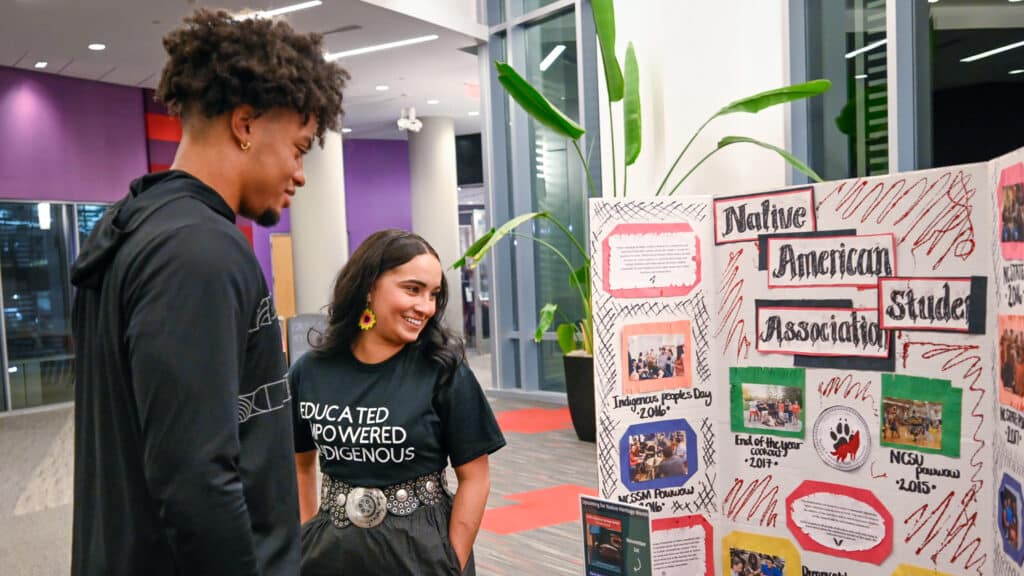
217 63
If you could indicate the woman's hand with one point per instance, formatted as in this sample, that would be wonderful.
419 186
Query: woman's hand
468 508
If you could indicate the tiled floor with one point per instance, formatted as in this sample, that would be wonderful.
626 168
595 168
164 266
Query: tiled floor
531 527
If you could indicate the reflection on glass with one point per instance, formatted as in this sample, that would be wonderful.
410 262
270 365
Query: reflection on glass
849 124
556 183
530 5
34 268
975 105
495 12
88 216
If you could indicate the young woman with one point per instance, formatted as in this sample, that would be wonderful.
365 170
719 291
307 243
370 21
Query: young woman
386 401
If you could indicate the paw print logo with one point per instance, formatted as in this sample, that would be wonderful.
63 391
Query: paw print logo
844 443
842 438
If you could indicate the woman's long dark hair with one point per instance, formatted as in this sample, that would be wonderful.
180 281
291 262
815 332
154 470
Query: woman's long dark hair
381 252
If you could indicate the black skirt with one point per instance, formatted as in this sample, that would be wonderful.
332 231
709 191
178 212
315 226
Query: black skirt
414 545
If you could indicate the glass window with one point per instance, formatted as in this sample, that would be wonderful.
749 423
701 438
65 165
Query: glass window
495 12
530 5
88 216
34 269
848 126
970 106
555 179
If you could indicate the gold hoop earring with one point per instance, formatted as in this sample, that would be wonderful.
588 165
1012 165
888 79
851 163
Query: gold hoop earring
245 146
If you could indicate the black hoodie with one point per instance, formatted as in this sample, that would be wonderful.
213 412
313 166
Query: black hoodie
183 451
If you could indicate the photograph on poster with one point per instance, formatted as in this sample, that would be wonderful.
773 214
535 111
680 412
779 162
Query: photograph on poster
773 407
604 543
1008 511
912 422
658 455
656 356
921 414
1009 517
749 563
1010 195
1011 361
767 401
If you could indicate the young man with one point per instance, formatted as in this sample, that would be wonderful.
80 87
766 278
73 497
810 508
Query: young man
183 450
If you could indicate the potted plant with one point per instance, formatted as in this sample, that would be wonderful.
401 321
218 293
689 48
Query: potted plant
576 336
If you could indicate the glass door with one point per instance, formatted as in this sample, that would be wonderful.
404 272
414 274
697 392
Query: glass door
35 251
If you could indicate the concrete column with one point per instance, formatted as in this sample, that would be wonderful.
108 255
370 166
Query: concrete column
319 228
435 202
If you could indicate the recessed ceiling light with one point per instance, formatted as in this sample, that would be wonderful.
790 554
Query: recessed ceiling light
379 47
382 88
474 113
433 101
1017 71
992 52
96 47
346 130
41 64
278 11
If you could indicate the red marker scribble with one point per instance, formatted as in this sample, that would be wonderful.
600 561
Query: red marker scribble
956 529
929 522
753 497
873 475
848 388
730 308
935 215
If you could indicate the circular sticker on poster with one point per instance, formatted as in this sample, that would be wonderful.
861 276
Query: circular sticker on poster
842 438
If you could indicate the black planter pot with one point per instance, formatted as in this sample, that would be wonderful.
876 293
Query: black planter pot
579 388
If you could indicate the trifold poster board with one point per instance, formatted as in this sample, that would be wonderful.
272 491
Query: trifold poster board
820 380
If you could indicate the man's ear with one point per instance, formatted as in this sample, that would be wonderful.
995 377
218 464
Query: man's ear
241 124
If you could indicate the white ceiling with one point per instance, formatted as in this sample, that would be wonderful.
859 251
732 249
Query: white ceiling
59 31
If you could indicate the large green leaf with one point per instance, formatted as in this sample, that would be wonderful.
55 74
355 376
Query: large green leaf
796 162
631 107
566 338
580 277
757 102
535 104
547 316
604 21
495 236
473 250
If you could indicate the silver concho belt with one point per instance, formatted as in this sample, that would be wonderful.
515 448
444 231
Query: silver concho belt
367 507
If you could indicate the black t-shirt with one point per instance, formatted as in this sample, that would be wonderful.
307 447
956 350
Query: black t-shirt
380 424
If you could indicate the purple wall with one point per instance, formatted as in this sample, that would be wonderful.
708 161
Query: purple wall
377 192
261 244
68 139
376 196
82 141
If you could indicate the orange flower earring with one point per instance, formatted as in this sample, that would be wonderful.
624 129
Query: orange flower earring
368 319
